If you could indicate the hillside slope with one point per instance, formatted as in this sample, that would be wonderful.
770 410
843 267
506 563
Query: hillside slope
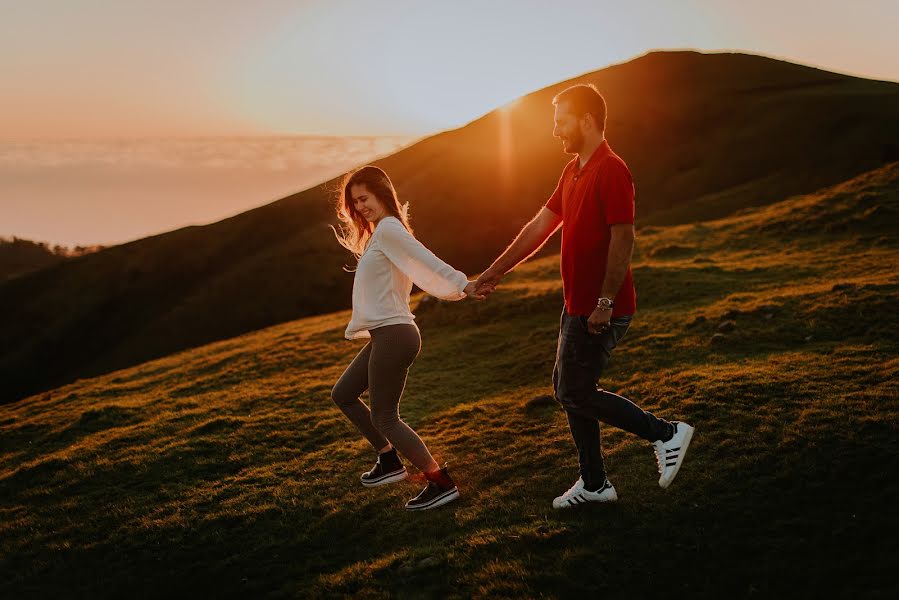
226 471
704 134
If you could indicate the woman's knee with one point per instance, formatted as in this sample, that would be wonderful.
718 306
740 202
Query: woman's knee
384 420
340 396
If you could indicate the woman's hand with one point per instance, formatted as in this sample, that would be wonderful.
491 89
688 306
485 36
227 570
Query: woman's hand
472 290
487 282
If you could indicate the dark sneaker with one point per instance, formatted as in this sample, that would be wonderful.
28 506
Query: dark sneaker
388 469
441 490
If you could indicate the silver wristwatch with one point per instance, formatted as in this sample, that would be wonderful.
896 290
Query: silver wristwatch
605 304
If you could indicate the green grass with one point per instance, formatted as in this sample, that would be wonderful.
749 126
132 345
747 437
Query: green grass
226 471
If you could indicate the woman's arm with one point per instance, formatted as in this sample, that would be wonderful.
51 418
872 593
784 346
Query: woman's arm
420 264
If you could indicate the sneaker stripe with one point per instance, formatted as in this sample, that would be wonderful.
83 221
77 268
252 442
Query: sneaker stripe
384 476
383 479
440 497
440 500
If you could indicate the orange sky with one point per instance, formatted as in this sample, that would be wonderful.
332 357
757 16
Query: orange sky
95 68
85 192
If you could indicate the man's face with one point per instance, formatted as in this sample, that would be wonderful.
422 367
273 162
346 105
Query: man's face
567 128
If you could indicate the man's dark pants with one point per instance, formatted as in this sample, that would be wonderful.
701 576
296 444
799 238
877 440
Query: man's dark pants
581 358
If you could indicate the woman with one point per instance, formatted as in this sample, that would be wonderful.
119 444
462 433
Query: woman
375 228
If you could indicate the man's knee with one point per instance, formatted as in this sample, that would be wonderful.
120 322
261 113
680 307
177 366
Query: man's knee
573 397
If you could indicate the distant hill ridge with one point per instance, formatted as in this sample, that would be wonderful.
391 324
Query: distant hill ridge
19 256
705 135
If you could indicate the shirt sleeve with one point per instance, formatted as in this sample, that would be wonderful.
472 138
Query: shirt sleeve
555 201
420 264
616 193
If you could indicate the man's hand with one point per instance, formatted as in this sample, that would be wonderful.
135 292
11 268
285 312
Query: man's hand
598 321
486 284
473 290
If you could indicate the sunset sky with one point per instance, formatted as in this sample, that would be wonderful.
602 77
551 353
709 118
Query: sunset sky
126 68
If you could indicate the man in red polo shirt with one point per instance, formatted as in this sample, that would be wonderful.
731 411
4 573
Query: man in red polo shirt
594 203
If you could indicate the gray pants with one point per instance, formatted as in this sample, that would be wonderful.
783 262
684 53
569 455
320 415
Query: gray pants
381 368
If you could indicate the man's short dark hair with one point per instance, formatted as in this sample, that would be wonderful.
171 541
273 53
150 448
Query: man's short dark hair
582 99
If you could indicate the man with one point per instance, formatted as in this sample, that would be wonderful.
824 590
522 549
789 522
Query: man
594 203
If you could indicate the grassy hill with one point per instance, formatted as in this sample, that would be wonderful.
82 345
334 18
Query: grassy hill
226 471
704 134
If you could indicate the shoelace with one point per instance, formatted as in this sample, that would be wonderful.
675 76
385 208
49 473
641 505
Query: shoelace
572 490
659 448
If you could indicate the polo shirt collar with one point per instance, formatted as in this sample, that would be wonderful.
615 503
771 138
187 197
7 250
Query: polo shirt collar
594 159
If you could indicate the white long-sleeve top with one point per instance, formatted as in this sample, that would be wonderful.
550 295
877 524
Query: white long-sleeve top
391 263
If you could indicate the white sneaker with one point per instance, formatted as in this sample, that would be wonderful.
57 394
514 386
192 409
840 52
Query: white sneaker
578 495
670 455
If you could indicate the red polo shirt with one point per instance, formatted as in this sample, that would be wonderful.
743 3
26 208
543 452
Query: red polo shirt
589 200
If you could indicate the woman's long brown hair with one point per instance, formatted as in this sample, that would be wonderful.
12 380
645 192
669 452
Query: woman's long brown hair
355 230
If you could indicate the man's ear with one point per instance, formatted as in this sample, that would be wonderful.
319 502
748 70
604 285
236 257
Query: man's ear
588 121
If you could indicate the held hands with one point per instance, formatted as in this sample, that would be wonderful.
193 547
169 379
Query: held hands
478 291
473 291
598 321
483 286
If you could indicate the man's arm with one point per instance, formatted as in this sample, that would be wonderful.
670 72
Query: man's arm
528 241
621 249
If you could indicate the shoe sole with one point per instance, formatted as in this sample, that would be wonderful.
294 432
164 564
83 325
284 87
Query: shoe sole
565 505
385 479
682 454
445 498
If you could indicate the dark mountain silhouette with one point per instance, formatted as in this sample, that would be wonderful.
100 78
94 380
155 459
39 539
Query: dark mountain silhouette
19 256
705 135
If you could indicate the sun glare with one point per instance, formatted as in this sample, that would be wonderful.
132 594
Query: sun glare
509 106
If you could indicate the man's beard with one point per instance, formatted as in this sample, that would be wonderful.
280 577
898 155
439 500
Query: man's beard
575 142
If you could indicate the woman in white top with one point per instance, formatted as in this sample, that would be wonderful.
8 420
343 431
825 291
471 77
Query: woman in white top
375 228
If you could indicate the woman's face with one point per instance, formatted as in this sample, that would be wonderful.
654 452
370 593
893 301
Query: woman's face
366 203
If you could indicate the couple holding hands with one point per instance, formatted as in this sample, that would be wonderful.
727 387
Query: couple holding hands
594 204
